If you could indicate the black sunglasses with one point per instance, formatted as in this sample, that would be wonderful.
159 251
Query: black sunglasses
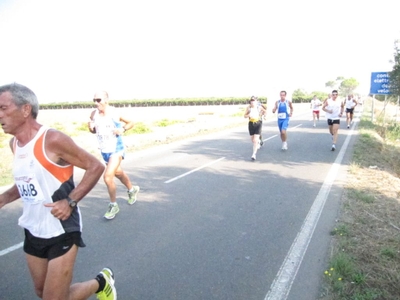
97 100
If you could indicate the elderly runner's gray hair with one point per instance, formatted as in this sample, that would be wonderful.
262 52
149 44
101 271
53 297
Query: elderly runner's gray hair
22 95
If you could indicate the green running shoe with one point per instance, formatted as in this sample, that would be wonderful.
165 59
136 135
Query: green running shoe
133 195
112 211
109 292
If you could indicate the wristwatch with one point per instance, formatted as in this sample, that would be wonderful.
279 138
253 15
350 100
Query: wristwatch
72 203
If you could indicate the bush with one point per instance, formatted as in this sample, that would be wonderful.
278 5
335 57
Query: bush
138 128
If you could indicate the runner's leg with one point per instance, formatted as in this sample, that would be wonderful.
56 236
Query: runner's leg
38 269
335 129
123 177
109 174
255 138
52 279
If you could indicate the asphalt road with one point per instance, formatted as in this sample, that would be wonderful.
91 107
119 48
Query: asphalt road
210 223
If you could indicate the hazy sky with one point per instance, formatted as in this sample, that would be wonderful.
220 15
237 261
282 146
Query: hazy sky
66 50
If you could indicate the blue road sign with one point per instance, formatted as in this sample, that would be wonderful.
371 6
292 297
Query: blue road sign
379 83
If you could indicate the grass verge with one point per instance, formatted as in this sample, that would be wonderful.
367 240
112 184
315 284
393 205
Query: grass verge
365 254
167 122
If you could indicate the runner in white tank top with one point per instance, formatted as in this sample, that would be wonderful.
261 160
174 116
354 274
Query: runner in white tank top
334 110
315 106
350 104
254 113
109 127
44 160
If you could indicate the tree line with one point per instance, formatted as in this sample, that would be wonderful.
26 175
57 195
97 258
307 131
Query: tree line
164 102
345 86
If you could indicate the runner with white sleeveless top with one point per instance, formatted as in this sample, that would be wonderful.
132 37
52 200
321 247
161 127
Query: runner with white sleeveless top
350 103
254 112
109 126
43 169
315 104
334 110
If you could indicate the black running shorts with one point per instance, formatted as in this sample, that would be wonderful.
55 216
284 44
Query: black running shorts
53 247
335 121
255 127
350 110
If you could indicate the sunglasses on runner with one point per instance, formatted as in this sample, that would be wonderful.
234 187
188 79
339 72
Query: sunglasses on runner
97 100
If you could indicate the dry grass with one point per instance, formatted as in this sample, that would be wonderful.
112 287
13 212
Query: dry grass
365 260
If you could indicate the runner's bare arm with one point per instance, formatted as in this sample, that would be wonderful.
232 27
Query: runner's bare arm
9 196
128 123
62 150
12 193
275 107
264 110
247 113
91 127
325 105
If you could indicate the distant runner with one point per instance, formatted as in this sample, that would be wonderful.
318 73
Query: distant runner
285 111
315 104
334 110
350 104
254 112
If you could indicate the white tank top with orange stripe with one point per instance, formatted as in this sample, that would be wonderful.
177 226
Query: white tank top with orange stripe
39 181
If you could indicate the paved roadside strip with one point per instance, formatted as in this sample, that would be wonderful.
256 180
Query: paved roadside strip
282 283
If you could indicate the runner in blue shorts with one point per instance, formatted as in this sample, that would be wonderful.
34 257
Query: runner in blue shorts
109 126
284 108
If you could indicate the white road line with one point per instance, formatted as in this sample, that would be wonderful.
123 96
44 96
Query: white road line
271 137
199 168
10 249
283 281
